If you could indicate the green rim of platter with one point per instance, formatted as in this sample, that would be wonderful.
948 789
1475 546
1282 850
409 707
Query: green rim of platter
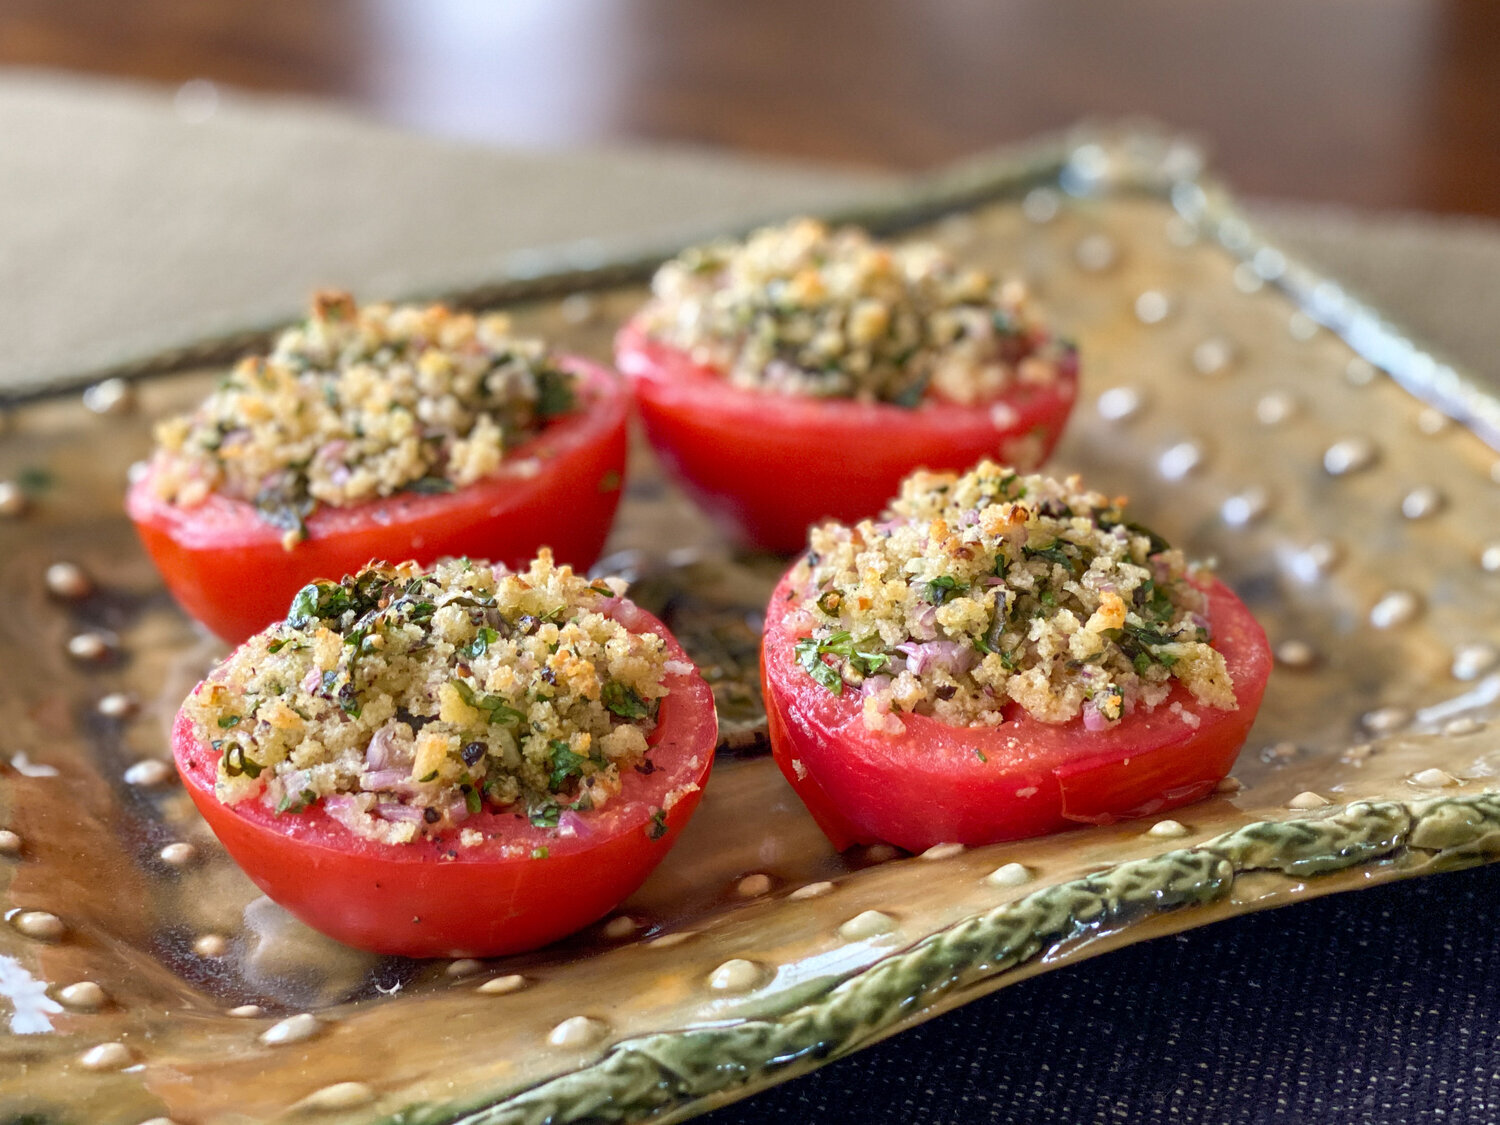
669 1075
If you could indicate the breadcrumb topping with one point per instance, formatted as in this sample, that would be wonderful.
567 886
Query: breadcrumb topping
360 403
802 309
406 701
989 588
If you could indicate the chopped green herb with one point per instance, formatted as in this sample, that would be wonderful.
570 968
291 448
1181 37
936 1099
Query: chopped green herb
481 643
237 762
499 711
1158 544
1145 635
658 826
544 815
857 654
227 721
809 655
1053 553
623 701
944 588
538 853
317 601
565 765
554 393
1154 601
295 802
911 395
286 512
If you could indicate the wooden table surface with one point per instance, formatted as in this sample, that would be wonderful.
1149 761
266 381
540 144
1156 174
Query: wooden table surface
1378 103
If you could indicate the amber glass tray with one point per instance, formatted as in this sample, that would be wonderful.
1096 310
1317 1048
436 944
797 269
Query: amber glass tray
1349 496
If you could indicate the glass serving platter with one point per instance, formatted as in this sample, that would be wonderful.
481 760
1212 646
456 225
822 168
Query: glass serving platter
1253 410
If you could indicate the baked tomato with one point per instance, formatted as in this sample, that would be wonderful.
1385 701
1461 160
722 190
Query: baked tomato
227 566
938 783
764 466
521 887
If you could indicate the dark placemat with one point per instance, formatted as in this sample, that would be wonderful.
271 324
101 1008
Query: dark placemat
1377 1007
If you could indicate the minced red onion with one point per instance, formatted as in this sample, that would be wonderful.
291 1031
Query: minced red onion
389 780
950 656
346 809
395 810
924 624
380 753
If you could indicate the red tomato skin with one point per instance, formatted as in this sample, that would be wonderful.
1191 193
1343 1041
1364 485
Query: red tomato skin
228 569
930 785
766 466
438 898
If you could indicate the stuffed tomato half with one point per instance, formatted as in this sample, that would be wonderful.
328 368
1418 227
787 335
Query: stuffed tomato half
457 762
1008 656
801 374
378 433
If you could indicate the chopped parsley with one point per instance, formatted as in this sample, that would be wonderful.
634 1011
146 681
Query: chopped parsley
566 766
858 655
943 589
481 643
237 762
544 814
1053 553
554 393
295 802
499 711
623 701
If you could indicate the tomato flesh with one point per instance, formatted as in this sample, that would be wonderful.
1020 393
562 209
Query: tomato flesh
227 567
522 889
766 466
939 783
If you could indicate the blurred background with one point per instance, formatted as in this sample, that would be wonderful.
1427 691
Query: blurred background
1376 103
181 169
